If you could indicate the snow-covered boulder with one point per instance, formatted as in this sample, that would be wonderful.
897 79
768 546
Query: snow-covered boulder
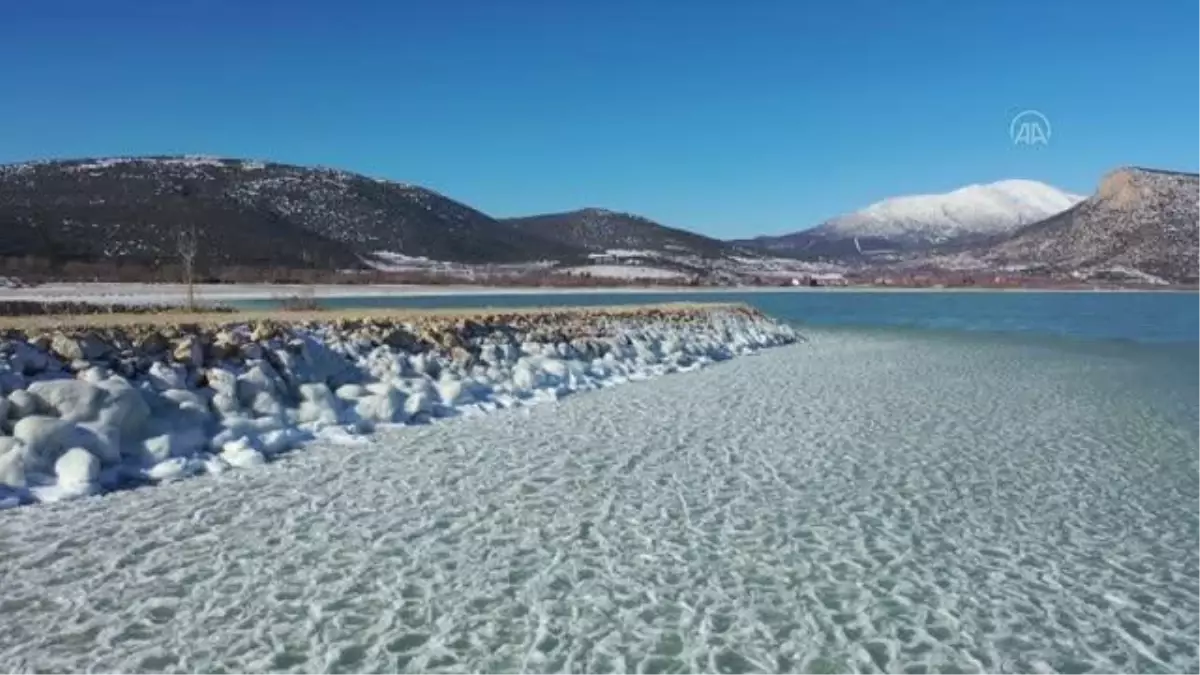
124 407
221 381
451 391
70 400
143 405
22 404
102 440
12 462
556 368
317 363
77 471
189 351
85 348
258 379
280 440
524 376
318 404
350 392
418 403
241 454
188 401
45 438
182 443
174 468
384 407
163 376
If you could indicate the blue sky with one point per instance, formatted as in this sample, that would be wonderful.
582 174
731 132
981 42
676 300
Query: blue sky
730 118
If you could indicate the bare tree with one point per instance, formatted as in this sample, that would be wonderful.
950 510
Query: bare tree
186 245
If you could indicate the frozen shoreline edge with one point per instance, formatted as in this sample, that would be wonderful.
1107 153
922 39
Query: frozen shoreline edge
174 294
88 409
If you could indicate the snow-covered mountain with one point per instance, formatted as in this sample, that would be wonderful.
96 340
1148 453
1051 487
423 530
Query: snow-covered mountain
993 208
922 221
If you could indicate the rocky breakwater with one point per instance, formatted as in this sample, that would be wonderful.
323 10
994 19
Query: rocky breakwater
104 405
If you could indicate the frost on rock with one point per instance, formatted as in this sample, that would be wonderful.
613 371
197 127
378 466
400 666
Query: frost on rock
77 470
12 463
44 438
101 410
69 399
318 404
385 406
241 454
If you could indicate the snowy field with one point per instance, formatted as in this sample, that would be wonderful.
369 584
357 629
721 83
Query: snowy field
626 272
132 293
858 502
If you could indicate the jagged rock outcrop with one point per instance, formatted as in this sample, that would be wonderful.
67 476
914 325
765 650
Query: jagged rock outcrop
1139 219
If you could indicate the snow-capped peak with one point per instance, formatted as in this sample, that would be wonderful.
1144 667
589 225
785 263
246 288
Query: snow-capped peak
992 208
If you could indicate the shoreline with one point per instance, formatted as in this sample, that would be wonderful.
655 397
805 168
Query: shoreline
216 320
140 293
104 402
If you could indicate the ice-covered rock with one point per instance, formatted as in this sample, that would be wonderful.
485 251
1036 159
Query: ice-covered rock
142 404
189 350
174 468
124 407
451 391
524 376
318 363
12 462
69 399
418 403
280 440
318 404
259 378
77 470
222 381
167 376
187 400
22 404
87 347
350 392
182 443
241 454
553 367
384 407
45 438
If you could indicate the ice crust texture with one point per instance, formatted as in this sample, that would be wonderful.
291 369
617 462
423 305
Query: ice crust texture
859 502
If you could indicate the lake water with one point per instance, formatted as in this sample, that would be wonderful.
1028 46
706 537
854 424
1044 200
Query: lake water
1153 317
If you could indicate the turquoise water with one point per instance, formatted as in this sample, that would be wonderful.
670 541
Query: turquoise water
1154 317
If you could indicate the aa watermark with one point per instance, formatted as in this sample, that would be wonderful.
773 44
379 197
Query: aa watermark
1029 127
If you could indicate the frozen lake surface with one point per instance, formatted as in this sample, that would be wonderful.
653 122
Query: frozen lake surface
871 500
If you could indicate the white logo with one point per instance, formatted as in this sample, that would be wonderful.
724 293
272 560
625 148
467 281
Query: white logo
1029 127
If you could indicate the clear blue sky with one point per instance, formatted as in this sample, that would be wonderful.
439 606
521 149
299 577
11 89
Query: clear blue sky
730 118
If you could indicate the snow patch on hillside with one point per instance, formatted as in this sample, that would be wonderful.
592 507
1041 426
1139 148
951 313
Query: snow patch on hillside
624 272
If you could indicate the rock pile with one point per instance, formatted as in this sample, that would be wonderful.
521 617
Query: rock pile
67 308
90 409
